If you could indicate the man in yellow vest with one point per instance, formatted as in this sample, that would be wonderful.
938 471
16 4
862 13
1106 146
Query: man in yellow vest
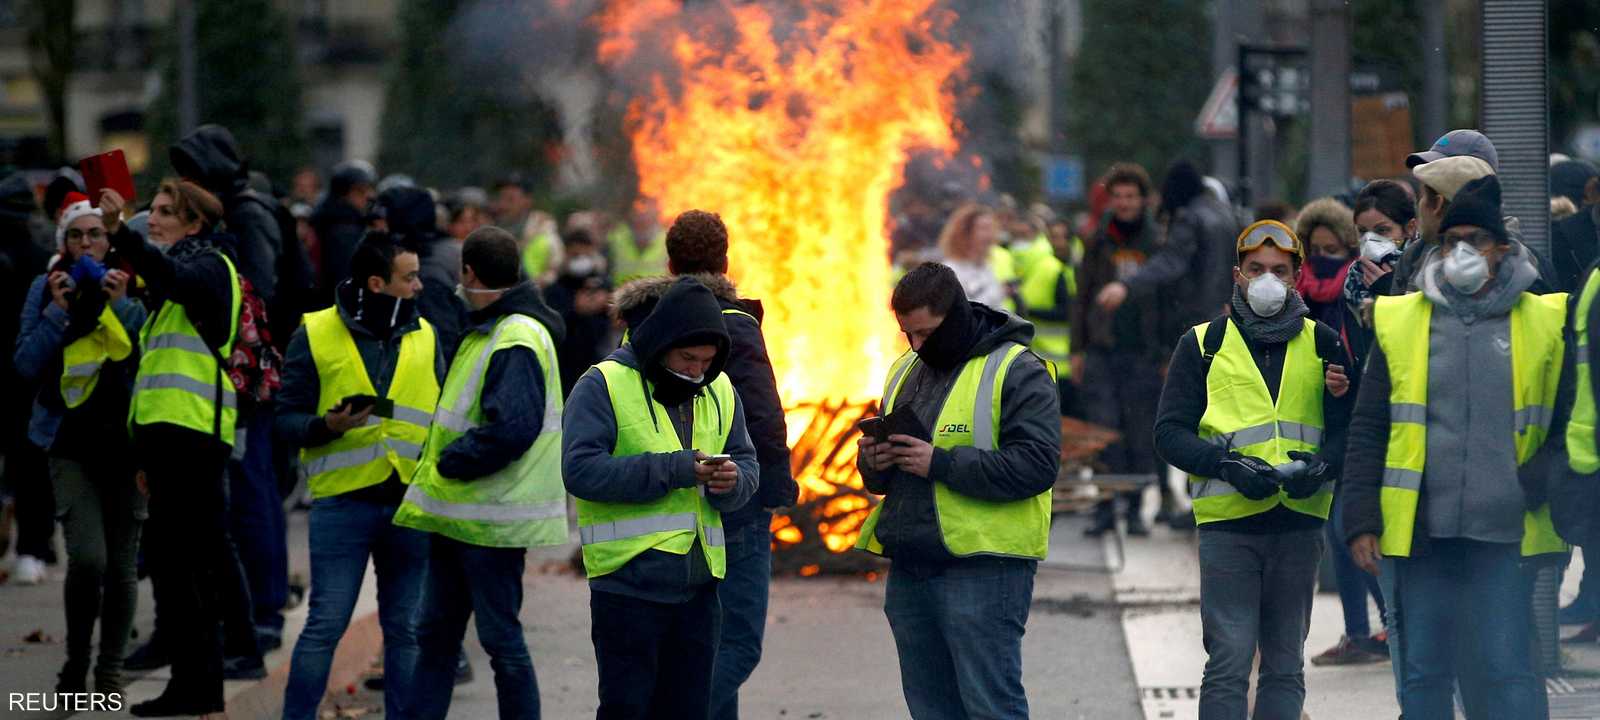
1249 411
488 482
360 383
965 457
639 246
182 419
1048 286
1457 433
656 450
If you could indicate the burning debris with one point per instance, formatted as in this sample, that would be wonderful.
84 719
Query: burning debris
795 122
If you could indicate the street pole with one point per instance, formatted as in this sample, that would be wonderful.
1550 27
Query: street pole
1330 98
1435 73
188 101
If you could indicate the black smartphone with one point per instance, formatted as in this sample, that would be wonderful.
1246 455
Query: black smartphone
875 427
382 407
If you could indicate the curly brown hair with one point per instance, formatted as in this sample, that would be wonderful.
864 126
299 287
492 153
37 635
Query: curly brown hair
697 242
1125 173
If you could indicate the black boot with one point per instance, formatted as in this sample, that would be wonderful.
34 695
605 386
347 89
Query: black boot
73 677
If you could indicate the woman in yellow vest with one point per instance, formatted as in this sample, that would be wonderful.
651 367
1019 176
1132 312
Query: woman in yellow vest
656 450
358 460
182 420
1457 431
488 481
75 344
1249 411
966 461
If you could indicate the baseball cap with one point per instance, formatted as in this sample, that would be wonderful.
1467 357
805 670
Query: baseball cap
1447 175
1455 144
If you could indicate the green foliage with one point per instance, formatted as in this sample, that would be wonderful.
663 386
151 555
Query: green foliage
246 80
449 123
1140 78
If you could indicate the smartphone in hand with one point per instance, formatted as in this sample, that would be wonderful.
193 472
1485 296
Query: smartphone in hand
875 427
715 459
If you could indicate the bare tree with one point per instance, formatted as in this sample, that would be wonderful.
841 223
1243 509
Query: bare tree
50 34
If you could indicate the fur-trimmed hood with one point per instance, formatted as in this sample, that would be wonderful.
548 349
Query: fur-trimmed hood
1331 214
636 298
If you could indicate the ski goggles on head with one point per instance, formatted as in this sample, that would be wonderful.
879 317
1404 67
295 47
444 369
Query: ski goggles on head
1269 232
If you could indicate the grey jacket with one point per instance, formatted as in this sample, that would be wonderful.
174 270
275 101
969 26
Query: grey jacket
1468 490
589 434
1024 464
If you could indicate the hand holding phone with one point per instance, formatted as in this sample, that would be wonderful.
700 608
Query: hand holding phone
876 428
716 472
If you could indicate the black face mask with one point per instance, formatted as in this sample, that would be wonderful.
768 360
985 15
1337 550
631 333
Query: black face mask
950 343
671 390
1325 267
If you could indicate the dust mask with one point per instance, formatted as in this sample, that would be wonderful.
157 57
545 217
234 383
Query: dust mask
1466 269
1267 295
1376 247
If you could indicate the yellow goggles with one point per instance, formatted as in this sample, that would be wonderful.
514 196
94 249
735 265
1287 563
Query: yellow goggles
1269 231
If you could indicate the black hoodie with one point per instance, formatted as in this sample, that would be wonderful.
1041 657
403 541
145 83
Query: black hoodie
513 383
1025 463
210 157
410 215
685 313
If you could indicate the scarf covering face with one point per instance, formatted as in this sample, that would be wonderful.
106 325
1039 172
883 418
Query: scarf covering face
950 344
1280 328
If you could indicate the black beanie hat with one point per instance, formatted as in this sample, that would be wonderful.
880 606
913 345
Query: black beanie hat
1478 204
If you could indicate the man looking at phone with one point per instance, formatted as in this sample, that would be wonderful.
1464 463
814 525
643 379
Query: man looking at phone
656 450
973 449
370 349
488 485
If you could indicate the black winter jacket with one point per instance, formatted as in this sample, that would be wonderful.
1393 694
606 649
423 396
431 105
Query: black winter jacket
1025 463
210 157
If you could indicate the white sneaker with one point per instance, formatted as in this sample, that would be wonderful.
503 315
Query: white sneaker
29 570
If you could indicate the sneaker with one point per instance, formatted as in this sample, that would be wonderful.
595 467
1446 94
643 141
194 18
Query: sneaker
1377 644
29 570
149 656
1347 652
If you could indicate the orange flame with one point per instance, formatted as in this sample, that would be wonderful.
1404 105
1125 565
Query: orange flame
796 134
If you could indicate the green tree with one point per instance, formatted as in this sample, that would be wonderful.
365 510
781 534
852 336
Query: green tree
246 80
456 115
1140 78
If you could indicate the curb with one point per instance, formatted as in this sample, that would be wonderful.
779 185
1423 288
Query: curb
360 646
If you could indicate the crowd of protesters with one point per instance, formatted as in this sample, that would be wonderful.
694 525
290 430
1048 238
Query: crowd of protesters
437 375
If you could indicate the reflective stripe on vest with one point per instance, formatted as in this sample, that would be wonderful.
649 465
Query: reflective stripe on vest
613 533
1401 325
368 455
1242 416
179 374
968 417
1581 453
524 503
83 358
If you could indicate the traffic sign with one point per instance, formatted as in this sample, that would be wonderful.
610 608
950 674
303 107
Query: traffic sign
1219 118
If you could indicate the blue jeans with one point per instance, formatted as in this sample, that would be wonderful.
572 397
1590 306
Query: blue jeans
958 632
1465 604
344 533
743 593
466 580
1391 622
1354 583
257 525
1256 593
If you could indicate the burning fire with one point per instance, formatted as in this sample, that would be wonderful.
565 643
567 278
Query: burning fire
795 125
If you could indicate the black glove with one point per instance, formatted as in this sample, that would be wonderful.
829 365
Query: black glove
1308 480
1253 477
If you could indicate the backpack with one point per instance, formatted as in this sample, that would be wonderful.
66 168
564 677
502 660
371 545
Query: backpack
255 364
1217 329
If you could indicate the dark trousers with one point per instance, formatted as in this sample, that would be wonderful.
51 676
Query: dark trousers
239 639
255 519
655 659
1255 594
1465 612
188 553
28 474
464 581
743 595
1120 391
1354 583
101 512
958 633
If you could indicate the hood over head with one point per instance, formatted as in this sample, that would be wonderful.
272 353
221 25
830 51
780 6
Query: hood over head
522 299
210 157
410 212
66 180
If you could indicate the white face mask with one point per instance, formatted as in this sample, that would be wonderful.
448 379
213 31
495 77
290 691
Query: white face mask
466 293
1466 269
1267 295
1376 247
685 378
